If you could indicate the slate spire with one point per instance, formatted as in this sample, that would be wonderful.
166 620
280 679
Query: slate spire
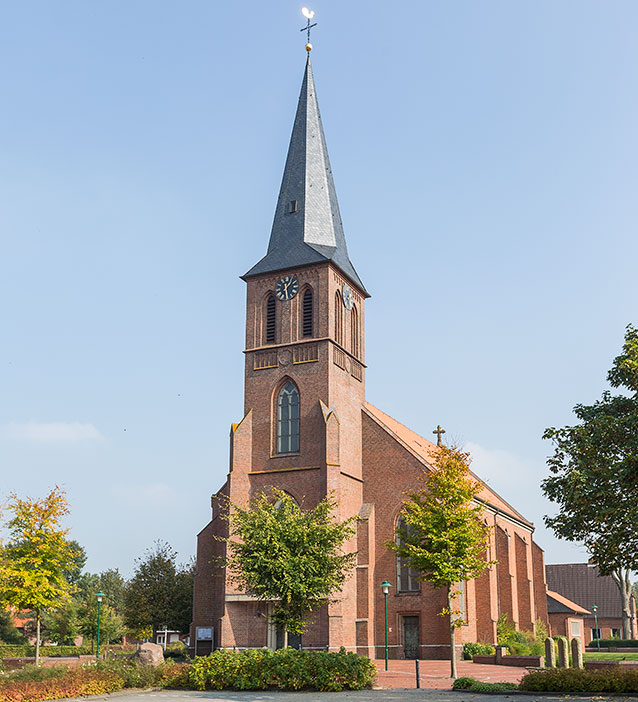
307 226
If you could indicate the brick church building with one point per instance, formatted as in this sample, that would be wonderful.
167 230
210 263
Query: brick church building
308 429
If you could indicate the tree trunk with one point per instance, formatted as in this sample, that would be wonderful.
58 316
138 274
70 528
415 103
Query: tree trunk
37 637
624 585
450 605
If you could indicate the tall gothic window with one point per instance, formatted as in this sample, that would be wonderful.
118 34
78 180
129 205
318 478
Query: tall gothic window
338 318
288 419
407 577
354 331
307 313
271 320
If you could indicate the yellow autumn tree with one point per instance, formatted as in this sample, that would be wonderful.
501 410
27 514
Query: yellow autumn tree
36 555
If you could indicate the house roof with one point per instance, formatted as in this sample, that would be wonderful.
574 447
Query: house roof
583 584
309 230
557 603
426 450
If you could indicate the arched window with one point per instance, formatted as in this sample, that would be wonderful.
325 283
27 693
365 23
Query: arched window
307 327
270 327
288 419
407 577
354 331
338 318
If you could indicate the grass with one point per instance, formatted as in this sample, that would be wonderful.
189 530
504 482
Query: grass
595 656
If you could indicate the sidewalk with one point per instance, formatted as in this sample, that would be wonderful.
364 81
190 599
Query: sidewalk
435 675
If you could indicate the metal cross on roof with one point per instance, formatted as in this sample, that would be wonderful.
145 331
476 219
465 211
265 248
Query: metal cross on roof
438 431
308 14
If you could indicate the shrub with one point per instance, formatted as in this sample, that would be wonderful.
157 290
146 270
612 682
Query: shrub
477 649
132 675
463 683
286 669
520 643
611 679
175 676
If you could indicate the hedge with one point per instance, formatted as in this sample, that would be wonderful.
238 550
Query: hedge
11 651
615 643
613 679
286 669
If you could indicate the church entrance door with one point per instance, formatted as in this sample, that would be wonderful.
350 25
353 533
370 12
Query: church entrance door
410 637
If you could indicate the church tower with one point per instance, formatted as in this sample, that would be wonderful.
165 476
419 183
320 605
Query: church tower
304 382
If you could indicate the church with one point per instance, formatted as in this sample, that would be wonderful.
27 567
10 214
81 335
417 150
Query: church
308 429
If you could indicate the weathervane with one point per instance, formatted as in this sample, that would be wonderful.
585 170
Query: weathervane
308 14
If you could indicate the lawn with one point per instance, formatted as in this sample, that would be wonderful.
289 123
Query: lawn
595 656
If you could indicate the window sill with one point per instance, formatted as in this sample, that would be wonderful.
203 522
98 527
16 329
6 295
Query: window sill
407 592
285 455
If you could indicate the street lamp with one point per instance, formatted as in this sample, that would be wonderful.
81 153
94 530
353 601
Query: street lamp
385 586
99 596
595 608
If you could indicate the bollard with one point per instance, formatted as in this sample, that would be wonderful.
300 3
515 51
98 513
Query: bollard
563 652
577 653
550 653
418 681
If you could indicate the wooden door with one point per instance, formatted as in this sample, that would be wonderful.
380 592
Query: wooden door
410 637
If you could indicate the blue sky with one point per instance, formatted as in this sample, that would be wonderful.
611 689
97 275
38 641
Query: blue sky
486 160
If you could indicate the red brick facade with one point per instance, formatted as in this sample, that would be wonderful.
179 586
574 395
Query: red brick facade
367 460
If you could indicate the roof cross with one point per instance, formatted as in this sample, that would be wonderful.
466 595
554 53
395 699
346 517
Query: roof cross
438 431
308 14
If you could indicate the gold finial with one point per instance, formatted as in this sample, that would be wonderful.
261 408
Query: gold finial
308 14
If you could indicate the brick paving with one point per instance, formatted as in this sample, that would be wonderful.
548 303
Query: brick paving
435 675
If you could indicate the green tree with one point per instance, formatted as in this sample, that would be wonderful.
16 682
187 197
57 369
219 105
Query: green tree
292 557
111 623
8 632
36 557
154 595
594 473
444 537
60 624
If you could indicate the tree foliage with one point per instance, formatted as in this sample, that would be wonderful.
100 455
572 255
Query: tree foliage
293 557
9 634
37 556
159 595
594 474
444 537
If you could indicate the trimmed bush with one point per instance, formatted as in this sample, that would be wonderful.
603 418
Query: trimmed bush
614 643
474 685
286 669
477 649
613 679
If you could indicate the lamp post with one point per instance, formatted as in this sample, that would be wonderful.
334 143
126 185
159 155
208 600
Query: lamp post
595 608
99 596
385 586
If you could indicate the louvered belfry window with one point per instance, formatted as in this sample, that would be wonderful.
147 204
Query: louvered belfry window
338 319
354 331
271 319
307 313
288 419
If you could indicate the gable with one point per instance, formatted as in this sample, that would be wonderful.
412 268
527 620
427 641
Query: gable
424 452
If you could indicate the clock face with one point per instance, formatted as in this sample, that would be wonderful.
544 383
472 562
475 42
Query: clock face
287 287
348 297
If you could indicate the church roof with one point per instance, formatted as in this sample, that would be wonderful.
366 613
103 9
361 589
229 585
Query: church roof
307 227
426 451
